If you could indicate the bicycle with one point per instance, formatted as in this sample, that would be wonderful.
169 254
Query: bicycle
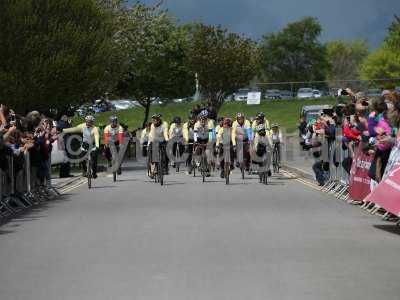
276 158
159 165
178 157
242 154
227 164
114 154
89 167
203 164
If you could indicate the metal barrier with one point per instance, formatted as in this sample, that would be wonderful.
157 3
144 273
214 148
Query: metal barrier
338 180
20 187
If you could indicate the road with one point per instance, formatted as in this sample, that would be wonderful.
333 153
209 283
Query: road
187 240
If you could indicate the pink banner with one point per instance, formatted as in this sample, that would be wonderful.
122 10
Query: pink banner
359 179
387 193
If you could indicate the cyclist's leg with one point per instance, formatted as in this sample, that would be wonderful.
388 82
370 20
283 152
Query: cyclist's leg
94 157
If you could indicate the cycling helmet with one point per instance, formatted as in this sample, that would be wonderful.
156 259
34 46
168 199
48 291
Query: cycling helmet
220 119
239 115
203 114
260 115
89 118
275 125
227 122
156 116
260 128
177 120
113 119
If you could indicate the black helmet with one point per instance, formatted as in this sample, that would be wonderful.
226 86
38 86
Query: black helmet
177 120
260 115
156 116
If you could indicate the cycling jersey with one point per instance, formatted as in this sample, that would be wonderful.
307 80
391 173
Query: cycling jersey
188 132
89 133
144 136
241 132
158 134
266 124
276 137
263 140
175 132
113 135
224 136
204 132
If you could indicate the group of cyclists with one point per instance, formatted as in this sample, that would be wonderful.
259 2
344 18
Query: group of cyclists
200 143
204 145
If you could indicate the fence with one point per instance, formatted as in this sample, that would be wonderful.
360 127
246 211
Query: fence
20 185
351 185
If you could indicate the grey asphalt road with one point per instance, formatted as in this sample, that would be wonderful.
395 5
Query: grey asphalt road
187 240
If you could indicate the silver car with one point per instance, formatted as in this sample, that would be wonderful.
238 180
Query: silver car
305 93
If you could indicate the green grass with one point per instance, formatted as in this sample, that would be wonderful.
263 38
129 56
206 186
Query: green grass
284 112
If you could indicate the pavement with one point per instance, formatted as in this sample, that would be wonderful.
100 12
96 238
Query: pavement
135 239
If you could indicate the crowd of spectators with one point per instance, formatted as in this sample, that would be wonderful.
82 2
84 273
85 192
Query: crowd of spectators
369 123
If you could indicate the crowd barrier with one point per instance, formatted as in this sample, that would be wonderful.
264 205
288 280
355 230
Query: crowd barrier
356 187
20 187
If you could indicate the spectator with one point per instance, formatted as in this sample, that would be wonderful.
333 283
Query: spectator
65 167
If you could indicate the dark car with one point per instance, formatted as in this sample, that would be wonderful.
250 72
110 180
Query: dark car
273 94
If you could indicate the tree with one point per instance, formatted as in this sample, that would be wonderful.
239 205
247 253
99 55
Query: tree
155 48
294 54
55 53
345 59
224 61
384 63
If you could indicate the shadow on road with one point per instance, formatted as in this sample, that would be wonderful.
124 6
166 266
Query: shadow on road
394 229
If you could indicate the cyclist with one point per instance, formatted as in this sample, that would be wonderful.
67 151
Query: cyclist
90 134
158 134
262 146
144 138
113 138
276 137
242 133
188 137
220 125
261 120
224 142
204 134
176 135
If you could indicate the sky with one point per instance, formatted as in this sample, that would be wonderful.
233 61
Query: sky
340 19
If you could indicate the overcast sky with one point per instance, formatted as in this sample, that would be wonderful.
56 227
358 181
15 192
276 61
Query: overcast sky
340 19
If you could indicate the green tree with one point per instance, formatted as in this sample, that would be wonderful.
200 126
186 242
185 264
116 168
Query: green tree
385 61
155 48
295 53
224 61
345 59
54 53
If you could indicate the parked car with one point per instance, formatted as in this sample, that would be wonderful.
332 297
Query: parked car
85 109
305 93
272 94
123 104
317 93
241 95
286 94
311 112
374 93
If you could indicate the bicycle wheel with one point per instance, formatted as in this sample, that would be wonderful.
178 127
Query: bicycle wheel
227 170
156 171
114 176
89 174
242 169
203 167
265 178
161 169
